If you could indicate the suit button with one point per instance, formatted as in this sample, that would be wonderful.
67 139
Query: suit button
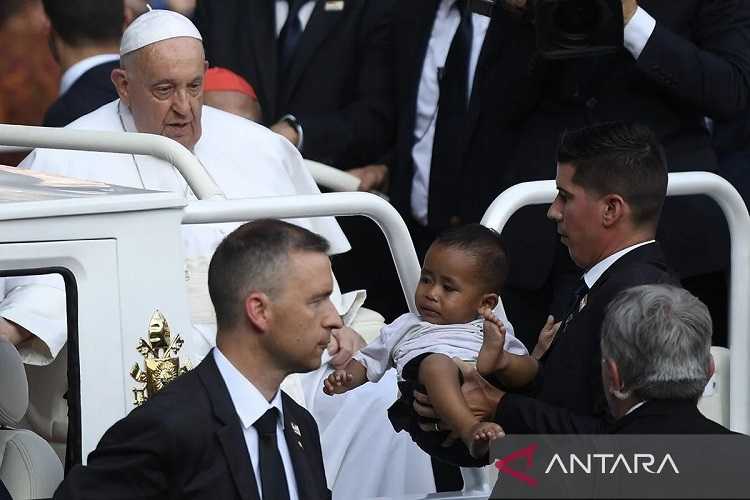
455 220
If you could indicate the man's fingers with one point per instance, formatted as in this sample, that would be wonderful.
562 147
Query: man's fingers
424 410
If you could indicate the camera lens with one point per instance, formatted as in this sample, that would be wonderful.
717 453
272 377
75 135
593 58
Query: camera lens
576 18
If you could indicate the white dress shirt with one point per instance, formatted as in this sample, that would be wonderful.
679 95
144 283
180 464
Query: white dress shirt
446 23
636 34
592 275
282 11
75 72
250 406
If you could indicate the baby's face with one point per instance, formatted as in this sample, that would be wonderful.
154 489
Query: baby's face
449 290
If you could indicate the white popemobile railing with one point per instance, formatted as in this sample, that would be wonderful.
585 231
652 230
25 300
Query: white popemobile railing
19 139
735 211
316 205
116 142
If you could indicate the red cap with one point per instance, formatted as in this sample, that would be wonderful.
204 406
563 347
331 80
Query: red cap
224 79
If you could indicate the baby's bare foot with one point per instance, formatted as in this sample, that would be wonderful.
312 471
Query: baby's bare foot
493 343
479 437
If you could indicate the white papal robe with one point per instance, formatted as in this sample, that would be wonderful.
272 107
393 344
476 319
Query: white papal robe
245 160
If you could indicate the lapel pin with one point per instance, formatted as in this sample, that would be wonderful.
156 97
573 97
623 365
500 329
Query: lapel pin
583 302
334 5
296 430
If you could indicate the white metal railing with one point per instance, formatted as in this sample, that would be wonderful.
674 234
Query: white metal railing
116 142
315 205
22 138
332 178
735 211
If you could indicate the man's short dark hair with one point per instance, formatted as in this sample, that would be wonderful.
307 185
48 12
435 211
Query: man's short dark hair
619 158
254 257
485 246
81 22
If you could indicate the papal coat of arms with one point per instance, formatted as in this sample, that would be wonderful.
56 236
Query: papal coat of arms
161 364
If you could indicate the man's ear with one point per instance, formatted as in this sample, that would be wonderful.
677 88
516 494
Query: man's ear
614 209
490 300
119 78
258 311
711 366
614 380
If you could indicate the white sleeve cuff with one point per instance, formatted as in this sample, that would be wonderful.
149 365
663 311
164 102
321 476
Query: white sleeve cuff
638 31
41 310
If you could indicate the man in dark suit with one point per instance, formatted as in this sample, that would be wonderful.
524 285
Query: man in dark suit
327 64
85 41
656 357
611 181
520 103
224 429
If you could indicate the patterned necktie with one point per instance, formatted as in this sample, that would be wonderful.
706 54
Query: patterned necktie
290 34
577 305
451 117
272 475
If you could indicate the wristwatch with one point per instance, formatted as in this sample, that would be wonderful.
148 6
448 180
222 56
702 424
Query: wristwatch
295 124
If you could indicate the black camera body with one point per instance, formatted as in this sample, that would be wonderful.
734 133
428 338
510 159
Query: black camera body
577 28
567 29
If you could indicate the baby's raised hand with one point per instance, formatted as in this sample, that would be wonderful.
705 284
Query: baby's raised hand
492 354
337 382
546 336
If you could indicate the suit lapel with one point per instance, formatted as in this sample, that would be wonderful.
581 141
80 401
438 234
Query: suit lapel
650 251
499 30
416 32
318 27
229 432
261 16
295 441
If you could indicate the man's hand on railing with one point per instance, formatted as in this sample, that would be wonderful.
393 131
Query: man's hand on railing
372 177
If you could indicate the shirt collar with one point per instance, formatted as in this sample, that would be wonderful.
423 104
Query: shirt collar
592 275
78 69
247 399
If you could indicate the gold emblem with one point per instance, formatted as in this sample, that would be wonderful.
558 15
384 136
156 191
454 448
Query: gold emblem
160 359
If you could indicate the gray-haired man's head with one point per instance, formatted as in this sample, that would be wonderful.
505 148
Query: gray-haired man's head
659 336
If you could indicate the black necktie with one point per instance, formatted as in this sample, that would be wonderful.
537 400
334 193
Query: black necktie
290 34
451 119
272 475
580 293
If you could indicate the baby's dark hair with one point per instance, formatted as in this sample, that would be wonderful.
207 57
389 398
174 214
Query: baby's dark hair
485 246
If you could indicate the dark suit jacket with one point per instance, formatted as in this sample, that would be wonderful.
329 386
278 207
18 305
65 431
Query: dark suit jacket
569 378
187 442
339 84
667 417
696 64
92 90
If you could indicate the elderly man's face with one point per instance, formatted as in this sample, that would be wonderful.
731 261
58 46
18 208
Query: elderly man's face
163 87
578 214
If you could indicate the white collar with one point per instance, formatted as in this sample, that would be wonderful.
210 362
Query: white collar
247 399
592 275
78 69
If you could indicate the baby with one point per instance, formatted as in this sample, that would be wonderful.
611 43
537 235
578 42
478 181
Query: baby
459 286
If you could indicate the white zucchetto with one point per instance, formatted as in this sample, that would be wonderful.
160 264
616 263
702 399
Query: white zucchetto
156 26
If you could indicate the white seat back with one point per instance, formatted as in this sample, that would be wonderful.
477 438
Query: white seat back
29 467
714 403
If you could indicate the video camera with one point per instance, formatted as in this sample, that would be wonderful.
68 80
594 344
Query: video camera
569 28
